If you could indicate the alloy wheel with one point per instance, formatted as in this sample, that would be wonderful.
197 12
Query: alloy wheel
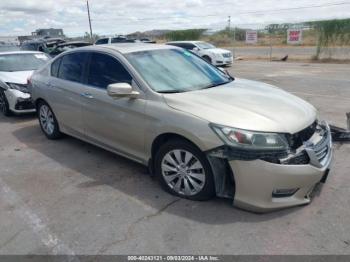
46 119
183 172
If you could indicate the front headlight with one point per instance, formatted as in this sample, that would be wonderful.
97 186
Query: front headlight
251 140
22 88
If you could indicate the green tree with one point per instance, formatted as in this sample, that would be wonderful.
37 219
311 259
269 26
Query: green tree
189 34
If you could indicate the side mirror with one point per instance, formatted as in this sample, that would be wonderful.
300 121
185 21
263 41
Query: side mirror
119 90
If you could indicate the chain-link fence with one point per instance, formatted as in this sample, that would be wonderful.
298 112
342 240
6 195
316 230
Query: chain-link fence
282 41
302 41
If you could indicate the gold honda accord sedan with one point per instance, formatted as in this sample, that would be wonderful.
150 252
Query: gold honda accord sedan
200 131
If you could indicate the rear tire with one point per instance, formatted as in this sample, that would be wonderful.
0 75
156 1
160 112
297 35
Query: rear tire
183 170
48 121
4 105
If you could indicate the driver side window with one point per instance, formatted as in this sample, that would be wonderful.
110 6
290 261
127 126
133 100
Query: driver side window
105 70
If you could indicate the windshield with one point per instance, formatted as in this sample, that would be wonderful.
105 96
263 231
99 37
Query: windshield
205 45
174 70
22 62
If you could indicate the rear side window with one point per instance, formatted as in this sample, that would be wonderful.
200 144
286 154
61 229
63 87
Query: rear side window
105 70
54 67
72 66
102 41
189 46
118 40
176 44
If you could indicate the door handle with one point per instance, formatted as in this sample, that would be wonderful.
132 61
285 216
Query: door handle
87 95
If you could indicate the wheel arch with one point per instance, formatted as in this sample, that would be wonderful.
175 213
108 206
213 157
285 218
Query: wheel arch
162 138
165 137
38 100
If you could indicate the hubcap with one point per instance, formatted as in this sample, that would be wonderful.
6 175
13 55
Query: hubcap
46 119
2 102
183 172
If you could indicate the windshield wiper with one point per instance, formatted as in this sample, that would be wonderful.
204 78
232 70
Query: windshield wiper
216 84
170 91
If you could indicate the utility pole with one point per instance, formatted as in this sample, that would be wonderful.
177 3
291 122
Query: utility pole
234 35
88 9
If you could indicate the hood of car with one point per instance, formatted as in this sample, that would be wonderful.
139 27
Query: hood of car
219 51
18 77
247 105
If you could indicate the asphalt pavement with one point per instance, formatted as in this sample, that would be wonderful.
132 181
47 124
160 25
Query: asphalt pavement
69 197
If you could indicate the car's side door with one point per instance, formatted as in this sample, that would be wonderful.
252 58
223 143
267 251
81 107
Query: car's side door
117 124
65 90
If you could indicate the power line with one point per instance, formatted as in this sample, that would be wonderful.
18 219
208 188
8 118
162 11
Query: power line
239 13
298 8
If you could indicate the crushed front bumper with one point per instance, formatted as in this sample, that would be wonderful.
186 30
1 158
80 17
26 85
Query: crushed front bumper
19 102
256 180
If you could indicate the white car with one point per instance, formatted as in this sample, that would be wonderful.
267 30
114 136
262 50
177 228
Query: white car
15 69
113 40
209 52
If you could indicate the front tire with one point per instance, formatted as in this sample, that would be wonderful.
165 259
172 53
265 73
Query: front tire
184 171
4 105
48 121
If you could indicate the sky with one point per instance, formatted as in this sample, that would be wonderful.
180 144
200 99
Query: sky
21 17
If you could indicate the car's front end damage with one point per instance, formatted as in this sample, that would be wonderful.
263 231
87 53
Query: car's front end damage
19 98
264 180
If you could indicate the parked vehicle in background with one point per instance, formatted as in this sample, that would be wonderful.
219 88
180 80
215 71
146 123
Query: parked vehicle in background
41 45
114 40
200 131
212 54
147 40
60 48
15 68
34 45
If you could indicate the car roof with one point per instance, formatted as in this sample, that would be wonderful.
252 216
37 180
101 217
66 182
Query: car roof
125 48
20 52
184 42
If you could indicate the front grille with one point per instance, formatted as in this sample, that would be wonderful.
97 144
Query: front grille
24 105
321 154
227 55
321 149
297 140
300 159
315 153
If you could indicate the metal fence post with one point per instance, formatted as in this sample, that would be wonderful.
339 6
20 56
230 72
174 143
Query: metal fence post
270 46
234 42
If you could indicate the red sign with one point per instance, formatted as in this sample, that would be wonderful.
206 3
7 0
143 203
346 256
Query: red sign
294 36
